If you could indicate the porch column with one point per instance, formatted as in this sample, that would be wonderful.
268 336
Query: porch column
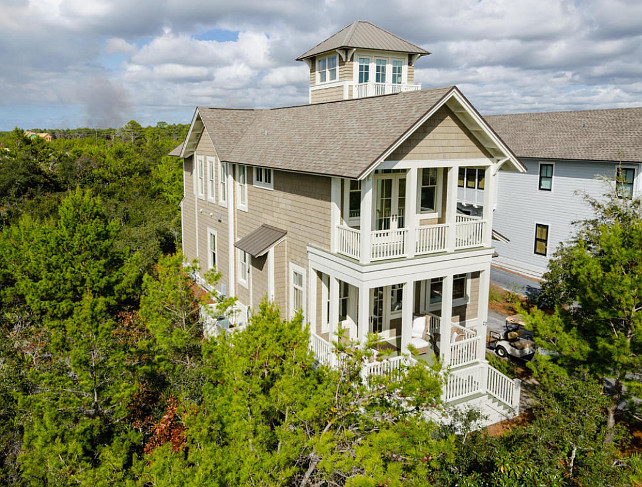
451 207
411 211
407 308
312 300
334 308
363 325
489 202
482 311
335 212
365 220
445 327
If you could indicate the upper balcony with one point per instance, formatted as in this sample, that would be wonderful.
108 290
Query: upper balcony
362 90
406 213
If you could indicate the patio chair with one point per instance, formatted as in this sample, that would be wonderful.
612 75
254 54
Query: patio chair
418 335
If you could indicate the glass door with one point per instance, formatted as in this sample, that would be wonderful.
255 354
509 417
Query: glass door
376 315
391 201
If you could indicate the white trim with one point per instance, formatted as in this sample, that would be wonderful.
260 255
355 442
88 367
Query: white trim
243 276
299 270
210 264
210 163
330 84
384 273
223 173
270 268
189 132
241 168
231 227
539 172
262 184
327 70
325 301
444 163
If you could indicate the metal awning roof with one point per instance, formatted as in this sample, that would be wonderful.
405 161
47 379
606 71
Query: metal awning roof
258 242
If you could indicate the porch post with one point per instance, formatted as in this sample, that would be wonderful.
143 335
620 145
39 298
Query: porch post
411 211
489 201
334 308
363 325
451 207
407 307
445 327
335 212
312 300
365 220
482 312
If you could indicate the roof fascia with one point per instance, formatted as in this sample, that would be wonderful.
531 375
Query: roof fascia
407 134
490 133
189 132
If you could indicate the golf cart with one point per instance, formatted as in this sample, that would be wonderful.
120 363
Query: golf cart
515 340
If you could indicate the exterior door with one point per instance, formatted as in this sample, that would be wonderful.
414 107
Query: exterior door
391 201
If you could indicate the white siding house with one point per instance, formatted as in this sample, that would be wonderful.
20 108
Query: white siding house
567 154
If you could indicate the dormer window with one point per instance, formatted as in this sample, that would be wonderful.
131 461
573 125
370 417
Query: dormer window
364 69
327 69
380 73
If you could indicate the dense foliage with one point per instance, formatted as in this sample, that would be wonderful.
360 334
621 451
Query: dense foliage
106 377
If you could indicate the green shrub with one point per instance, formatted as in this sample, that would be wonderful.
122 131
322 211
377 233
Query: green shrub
505 366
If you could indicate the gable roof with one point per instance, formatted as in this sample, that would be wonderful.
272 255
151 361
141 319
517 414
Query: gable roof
598 135
364 35
344 138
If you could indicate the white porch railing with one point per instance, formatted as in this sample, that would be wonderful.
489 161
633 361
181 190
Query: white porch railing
431 238
349 241
481 379
385 366
469 233
465 351
434 324
362 90
388 244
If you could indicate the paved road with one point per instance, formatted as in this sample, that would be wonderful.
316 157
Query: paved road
514 282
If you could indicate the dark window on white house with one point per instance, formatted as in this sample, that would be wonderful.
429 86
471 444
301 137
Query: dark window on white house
541 239
546 177
624 182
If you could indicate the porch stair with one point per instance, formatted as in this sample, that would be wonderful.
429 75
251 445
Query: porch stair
492 411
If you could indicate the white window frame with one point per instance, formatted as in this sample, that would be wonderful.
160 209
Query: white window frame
350 220
211 262
259 173
241 169
223 170
211 178
372 69
299 270
326 70
386 66
425 294
325 306
438 194
394 313
200 176
539 172
243 268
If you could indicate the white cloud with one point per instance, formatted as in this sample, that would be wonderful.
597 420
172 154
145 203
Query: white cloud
146 56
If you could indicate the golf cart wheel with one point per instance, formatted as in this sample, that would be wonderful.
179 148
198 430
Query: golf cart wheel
501 352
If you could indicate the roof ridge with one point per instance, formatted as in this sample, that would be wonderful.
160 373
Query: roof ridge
563 111
350 32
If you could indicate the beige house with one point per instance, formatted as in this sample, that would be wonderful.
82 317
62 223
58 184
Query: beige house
346 209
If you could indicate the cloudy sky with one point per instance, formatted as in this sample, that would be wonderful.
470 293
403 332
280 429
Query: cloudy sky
70 63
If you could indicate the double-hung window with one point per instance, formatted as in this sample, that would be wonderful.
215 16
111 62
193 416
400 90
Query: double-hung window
397 67
242 187
244 267
211 249
624 182
222 181
263 178
297 289
327 69
211 187
364 69
459 286
428 190
380 70
471 178
545 177
200 175
541 239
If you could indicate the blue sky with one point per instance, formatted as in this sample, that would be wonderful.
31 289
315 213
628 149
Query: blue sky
98 63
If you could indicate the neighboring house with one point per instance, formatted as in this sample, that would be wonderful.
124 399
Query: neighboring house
347 211
566 154
42 135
